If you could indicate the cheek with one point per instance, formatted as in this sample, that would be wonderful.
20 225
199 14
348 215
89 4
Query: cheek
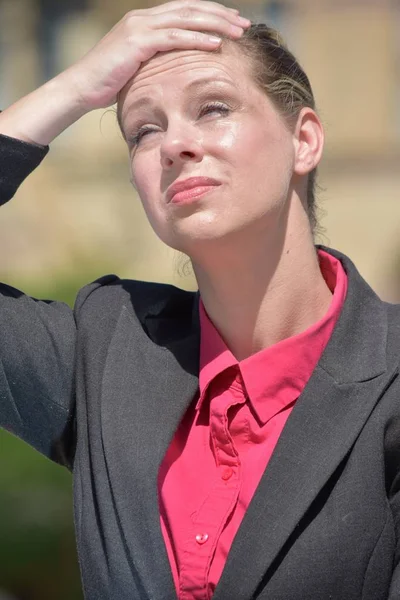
266 153
146 174
146 183
145 177
252 147
262 173
140 176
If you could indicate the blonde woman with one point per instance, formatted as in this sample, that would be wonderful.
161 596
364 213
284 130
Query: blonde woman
238 442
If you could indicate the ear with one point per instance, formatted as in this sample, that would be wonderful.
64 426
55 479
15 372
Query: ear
309 141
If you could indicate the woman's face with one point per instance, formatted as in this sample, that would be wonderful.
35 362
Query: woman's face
197 113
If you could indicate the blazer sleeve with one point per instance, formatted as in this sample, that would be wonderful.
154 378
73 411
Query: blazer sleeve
37 343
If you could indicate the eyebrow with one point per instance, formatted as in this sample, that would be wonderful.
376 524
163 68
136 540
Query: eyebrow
192 87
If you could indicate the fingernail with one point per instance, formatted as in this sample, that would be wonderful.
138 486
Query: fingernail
214 39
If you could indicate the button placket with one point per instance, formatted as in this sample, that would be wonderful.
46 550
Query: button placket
210 519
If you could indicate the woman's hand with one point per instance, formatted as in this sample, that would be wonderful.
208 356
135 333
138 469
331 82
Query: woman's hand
100 75
95 80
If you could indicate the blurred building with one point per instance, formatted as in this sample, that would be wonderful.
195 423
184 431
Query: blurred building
79 208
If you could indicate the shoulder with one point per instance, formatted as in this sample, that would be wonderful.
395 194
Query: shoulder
109 294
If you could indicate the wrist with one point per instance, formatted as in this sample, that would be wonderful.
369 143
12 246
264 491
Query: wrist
45 113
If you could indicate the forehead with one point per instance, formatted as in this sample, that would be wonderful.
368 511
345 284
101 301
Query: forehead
175 70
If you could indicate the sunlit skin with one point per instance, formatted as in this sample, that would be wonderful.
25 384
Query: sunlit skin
249 239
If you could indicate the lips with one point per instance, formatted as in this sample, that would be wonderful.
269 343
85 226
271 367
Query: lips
187 184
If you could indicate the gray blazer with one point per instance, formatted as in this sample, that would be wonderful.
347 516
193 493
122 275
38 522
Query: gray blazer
102 389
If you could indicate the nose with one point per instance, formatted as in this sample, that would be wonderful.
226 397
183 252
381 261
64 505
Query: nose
180 144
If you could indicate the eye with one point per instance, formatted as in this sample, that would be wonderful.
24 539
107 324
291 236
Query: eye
135 139
214 107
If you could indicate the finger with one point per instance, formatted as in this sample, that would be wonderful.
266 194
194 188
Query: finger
193 19
205 5
163 40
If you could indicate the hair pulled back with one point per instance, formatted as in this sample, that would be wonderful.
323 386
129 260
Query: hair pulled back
276 71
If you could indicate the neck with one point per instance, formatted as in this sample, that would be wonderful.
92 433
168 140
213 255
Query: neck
264 294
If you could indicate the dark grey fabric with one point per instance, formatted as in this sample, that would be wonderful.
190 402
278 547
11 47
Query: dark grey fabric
103 388
17 161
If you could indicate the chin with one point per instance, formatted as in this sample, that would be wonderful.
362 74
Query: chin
192 241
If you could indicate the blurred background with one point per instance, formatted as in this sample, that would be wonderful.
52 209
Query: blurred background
77 217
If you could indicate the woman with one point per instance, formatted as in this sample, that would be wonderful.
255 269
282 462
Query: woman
172 408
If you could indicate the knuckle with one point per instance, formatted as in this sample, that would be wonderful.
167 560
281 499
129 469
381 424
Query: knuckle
173 34
130 15
185 13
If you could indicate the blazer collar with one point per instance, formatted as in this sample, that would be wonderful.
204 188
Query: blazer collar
357 348
349 356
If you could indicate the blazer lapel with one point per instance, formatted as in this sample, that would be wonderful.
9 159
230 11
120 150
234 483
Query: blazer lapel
325 422
318 435
146 384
